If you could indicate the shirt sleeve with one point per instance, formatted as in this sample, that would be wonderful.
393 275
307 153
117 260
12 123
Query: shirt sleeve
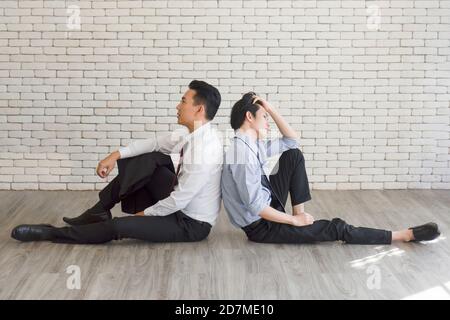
164 144
280 145
248 183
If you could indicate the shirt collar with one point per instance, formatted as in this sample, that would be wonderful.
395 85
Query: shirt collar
198 132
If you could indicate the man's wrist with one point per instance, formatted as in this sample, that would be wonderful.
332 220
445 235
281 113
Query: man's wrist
291 220
115 155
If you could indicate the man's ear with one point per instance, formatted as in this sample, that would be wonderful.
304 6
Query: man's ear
249 116
201 109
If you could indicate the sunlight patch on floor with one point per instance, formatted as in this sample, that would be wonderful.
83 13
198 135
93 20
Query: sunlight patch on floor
439 239
359 263
435 293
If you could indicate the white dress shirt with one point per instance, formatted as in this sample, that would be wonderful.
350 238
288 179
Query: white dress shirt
197 193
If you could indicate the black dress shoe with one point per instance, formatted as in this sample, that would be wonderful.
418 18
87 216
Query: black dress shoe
87 217
426 232
32 232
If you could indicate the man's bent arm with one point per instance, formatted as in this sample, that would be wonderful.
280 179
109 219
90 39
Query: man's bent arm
271 214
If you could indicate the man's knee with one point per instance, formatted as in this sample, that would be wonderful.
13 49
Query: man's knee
293 154
155 158
342 229
162 174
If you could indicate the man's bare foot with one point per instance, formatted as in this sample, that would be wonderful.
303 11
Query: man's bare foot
403 235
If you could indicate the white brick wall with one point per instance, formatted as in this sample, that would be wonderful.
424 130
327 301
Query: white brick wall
370 100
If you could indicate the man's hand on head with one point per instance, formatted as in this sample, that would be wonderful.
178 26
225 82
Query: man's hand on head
263 103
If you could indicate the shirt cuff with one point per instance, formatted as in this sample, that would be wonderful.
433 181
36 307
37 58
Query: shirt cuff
291 142
148 211
256 209
124 152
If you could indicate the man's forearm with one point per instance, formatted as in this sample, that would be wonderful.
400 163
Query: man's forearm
274 215
284 127
115 155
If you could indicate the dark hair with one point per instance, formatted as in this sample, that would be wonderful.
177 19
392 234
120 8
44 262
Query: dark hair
240 109
207 95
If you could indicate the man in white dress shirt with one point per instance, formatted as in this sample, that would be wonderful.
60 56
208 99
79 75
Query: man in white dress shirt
170 205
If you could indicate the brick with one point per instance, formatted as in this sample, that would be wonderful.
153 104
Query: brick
371 107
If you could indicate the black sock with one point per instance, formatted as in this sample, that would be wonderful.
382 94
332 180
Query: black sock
97 208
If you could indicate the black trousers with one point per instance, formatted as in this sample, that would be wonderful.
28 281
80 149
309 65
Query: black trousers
141 182
291 178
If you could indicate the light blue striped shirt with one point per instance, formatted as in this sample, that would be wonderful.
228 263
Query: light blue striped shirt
245 161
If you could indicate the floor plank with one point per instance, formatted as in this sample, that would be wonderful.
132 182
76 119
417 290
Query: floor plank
226 265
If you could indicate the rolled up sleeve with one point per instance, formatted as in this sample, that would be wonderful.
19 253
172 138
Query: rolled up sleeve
280 145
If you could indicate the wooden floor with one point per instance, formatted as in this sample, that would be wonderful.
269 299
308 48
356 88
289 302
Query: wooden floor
226 265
